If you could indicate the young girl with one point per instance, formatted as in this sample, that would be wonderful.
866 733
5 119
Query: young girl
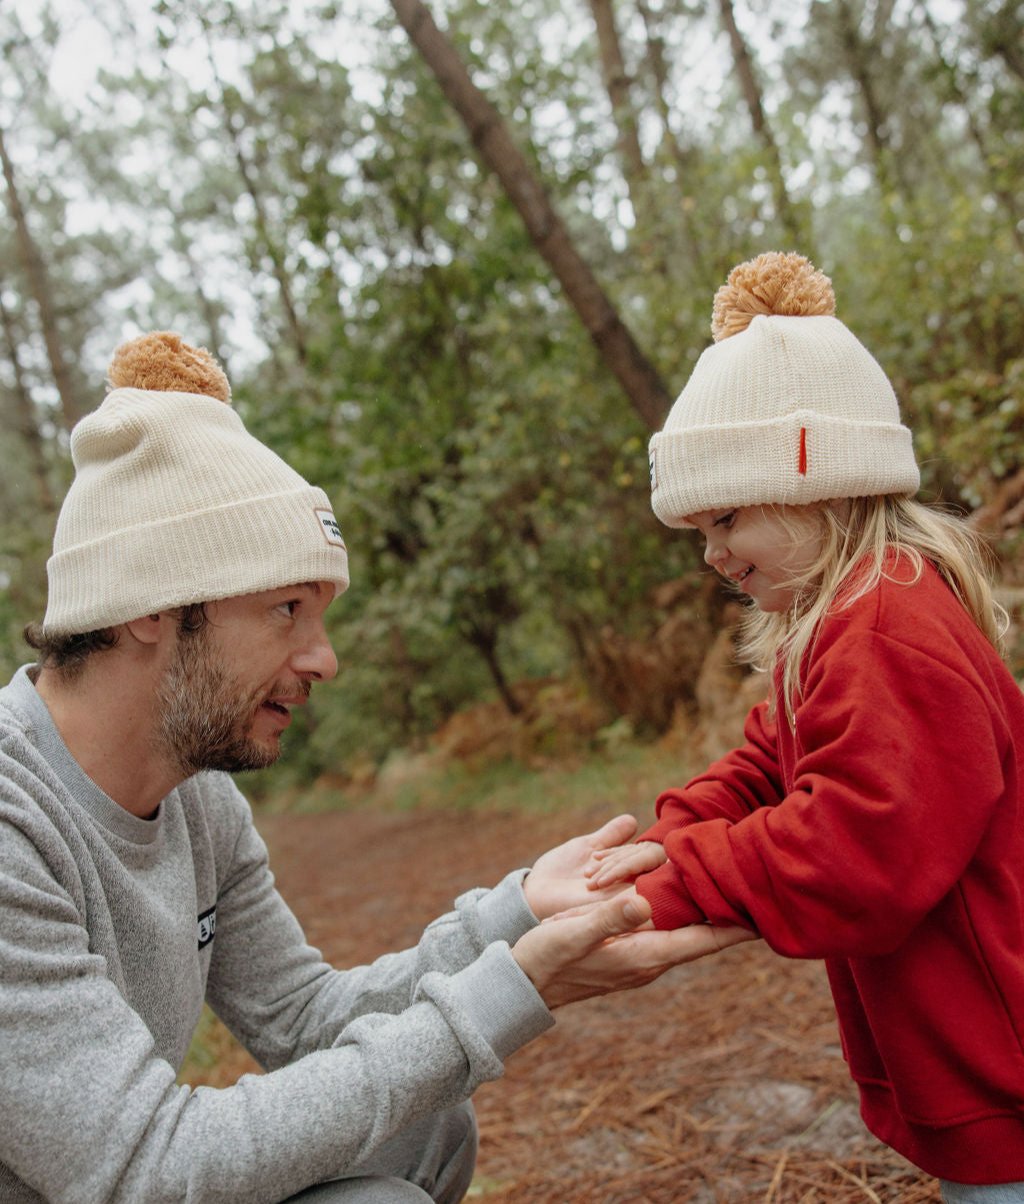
873 816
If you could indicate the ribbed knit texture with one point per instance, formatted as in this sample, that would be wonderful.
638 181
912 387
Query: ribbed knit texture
792 410
174 502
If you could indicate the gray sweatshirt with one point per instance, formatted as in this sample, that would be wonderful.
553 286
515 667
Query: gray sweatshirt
113 931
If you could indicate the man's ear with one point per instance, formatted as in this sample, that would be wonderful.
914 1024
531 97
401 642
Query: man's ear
148 629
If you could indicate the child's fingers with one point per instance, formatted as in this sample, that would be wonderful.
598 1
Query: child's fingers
604 868
608 874
602 877
600 857
622 864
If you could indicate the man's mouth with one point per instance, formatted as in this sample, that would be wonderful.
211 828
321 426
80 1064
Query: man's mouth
282 703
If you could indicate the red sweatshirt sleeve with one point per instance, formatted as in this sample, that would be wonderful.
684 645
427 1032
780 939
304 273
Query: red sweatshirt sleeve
731 788
897 763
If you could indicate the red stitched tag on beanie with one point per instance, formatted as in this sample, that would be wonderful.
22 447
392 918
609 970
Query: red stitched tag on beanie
802 465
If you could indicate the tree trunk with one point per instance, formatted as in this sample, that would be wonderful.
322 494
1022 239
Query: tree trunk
890 178
959 92
763 131
211 318
269 245
1005 30
682 157
617 84
637 376
262 224
25 416
39 285
486 643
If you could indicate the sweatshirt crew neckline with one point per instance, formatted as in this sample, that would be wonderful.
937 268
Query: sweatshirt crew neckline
27 705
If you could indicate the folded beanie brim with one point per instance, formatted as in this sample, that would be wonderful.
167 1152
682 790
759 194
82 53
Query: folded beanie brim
255 544
796 459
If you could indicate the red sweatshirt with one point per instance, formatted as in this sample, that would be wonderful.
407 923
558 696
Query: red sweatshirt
885 834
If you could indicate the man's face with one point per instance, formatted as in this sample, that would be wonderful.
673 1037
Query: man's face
227 694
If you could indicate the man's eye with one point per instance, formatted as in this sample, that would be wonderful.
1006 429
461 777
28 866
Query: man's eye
288 608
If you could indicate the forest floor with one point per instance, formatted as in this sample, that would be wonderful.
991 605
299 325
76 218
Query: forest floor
720 1083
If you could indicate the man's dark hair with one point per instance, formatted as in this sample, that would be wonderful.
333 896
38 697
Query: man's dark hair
67 654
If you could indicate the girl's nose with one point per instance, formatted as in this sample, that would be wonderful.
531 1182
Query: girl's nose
715 552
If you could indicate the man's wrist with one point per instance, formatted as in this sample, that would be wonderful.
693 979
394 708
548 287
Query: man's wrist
505 913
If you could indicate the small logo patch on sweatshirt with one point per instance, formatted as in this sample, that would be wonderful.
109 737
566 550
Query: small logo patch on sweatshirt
207 926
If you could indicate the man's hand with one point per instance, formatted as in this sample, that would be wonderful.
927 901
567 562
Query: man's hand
604 948
556 882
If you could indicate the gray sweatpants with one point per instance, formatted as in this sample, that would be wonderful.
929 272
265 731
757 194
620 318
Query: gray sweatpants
995 1193
431 1160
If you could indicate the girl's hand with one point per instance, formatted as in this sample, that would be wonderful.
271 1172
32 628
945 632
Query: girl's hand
623 864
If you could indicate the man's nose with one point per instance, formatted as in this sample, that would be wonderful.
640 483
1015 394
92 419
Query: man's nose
316 658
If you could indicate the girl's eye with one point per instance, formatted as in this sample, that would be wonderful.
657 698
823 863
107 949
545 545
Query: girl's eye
726 520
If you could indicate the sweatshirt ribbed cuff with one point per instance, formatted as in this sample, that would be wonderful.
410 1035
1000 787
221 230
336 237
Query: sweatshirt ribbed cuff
671 903
503 913
501 1001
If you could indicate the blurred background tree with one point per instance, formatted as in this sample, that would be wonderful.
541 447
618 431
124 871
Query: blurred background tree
457 259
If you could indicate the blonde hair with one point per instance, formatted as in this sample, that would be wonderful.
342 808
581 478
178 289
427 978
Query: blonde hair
858 535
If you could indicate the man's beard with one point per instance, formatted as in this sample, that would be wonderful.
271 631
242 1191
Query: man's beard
205 718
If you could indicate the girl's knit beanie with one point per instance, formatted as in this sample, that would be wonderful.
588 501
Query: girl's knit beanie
174 502
785 407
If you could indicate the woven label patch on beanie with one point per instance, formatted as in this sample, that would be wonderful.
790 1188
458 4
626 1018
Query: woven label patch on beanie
654 474
330 528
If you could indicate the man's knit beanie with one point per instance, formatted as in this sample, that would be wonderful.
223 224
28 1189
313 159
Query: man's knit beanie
174 502
785 407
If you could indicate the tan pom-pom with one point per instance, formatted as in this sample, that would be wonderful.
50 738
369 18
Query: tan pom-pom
786 285
162 361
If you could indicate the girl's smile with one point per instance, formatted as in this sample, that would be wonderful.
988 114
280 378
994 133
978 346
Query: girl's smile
761 552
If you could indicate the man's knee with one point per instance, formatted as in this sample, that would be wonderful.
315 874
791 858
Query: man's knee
438 1153
432 1159
455 1172
371 1189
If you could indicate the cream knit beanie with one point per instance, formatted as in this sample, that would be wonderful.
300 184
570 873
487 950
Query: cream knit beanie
786 406
174 502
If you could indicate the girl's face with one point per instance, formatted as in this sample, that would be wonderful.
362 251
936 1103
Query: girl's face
758 551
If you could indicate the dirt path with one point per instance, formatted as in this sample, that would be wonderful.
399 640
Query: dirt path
722 1082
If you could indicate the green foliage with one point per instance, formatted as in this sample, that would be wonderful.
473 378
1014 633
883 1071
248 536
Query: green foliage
288 185
975 431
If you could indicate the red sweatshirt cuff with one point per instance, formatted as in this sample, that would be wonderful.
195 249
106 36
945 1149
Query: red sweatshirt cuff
672 906
658 831
671 818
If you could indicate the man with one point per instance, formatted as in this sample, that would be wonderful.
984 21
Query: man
185 621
